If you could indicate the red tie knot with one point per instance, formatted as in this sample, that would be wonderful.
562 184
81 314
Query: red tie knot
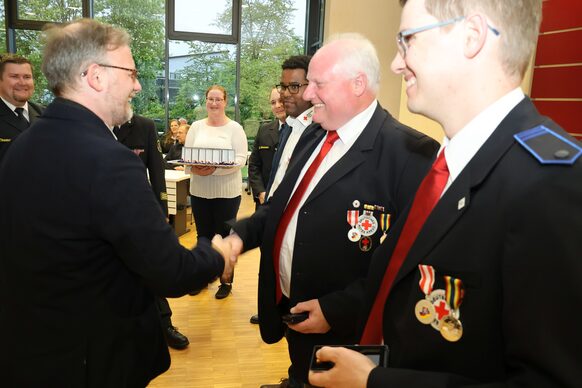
332 136
440 164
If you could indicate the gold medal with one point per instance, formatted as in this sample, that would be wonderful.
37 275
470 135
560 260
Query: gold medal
451 328
424 311
441 308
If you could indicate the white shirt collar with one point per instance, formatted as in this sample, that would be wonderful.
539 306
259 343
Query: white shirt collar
12 107
303 120
464 145
350 131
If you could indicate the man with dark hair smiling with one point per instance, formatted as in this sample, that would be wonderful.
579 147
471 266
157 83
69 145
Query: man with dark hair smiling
299 112
16 89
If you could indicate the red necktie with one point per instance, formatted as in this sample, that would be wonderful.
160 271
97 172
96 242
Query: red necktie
332 136
425 199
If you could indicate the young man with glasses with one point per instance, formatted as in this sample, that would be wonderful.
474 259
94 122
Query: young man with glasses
480 291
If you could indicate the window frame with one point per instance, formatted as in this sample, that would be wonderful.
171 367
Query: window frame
232 38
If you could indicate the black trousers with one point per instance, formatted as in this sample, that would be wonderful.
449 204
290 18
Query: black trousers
165 311
211 215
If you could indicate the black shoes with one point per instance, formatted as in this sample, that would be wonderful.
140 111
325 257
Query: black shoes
223 291
195 292
255 319
175 339
284 383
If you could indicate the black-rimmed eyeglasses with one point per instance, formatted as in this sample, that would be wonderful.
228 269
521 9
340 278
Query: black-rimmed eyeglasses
292 87
403 37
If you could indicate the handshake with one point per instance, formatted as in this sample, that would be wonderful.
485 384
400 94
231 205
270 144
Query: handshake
230 248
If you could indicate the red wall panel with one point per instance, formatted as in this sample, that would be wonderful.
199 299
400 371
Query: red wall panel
561 15
563 47
557 82
560 48
566 113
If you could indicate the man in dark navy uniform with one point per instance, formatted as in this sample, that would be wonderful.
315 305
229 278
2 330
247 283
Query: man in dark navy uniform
16 88
264 147
482 292
139 135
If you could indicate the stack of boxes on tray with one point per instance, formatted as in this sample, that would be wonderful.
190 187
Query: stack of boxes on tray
210 156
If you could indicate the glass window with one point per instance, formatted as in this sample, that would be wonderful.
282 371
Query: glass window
145 22
2 28
202 16
28 45
49 10
271 31
194 67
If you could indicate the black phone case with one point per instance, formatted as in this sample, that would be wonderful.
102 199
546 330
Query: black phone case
373 351
295 318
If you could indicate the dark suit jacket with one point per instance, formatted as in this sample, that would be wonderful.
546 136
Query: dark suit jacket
139 135
261 159
9 127
515 243
175 153
383 167
80 268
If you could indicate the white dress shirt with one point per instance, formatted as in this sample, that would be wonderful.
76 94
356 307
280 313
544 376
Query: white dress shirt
24 112
348 134
464 145
298 125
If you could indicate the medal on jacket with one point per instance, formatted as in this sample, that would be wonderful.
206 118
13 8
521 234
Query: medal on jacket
353 234
384 225
441 308
365 244
367 223
424 309
451 327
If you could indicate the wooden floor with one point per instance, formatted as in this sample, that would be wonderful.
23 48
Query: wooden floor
225 350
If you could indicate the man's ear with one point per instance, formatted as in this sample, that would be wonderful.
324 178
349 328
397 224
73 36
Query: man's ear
475 34
95 77
360 83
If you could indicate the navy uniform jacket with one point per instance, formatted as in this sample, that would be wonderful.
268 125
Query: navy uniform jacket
80 268
9 127
175 153
261 159
139 135
383 167
509 228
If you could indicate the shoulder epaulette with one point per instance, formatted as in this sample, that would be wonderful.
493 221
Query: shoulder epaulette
549 147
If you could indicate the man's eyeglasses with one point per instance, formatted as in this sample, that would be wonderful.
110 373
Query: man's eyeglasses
293 87
403 37
134 73
213 100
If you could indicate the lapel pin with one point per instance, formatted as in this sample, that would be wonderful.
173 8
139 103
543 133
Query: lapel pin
461 203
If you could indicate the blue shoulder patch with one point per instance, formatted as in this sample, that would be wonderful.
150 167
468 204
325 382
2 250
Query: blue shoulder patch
549 147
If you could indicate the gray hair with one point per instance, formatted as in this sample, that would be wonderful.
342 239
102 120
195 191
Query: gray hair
69 48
